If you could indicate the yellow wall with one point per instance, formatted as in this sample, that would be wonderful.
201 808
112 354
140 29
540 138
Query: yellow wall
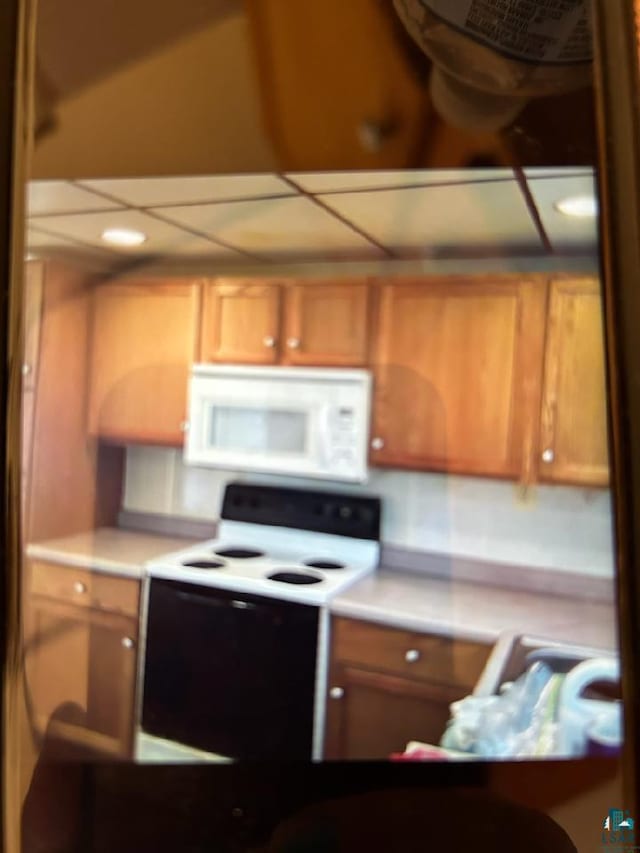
190 109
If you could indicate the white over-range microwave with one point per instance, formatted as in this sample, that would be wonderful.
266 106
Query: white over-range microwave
297 421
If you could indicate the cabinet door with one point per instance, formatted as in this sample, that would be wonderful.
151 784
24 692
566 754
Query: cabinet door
81 675
337 84
241 322
458 374
34 279
327 324
144 341
574 407
371 715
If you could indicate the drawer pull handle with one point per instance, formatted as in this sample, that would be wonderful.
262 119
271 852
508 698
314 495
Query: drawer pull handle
79 587
336 692
412 656
127 642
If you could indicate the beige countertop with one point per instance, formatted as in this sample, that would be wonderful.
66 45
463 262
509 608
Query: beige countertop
399 599
107 549
478 611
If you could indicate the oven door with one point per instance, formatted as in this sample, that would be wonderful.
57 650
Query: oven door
231 674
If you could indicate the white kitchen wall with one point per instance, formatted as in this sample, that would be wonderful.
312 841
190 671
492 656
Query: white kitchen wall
551 527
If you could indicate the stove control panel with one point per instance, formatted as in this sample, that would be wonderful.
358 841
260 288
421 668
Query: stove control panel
357 516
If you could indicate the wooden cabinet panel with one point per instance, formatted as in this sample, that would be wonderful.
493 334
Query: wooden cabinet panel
74 483
338 87
574 408
34 279
65 583
389 686
85 588
144 341
408 654
241 322
327 324
28 412
80 674
373 715
117 595
458 371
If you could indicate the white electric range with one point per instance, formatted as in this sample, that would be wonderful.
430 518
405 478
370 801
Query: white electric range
237 627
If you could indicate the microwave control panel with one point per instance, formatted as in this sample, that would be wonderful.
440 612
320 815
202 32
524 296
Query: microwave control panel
343 436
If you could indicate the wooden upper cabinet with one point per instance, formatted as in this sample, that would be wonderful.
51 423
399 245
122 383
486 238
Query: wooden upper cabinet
327 324
573 445
339 87
241 322
458 373
144 342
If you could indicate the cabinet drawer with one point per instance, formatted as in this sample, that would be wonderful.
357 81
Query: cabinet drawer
409 654
86 588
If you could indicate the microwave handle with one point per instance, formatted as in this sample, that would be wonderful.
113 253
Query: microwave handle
325 436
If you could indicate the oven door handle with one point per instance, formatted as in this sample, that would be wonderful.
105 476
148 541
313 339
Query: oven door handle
236 603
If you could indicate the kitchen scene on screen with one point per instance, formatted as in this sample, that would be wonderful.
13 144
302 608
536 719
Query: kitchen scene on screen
315 467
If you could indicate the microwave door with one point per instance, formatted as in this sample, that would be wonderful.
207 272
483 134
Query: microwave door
251 436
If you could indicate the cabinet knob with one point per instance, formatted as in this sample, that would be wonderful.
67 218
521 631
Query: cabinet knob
293 343
269 341
412 656
127 642
79 587
548 455
26 369
373 134
377 443
336 692
184 426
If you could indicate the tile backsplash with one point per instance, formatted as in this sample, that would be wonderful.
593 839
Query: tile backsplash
551 527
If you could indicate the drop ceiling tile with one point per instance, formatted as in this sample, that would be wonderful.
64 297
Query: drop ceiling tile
450 219
40 240
46 197
325 182
153 192
162 238
565 231
275 228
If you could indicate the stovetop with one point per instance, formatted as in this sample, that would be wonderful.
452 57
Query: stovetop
298 563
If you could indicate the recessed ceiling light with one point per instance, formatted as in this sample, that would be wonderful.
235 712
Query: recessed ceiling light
579 206
123 237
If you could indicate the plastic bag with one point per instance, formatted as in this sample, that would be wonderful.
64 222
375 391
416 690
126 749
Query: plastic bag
520 722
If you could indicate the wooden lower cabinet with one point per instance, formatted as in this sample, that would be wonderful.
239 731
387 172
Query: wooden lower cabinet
81 663
388 687
378 714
